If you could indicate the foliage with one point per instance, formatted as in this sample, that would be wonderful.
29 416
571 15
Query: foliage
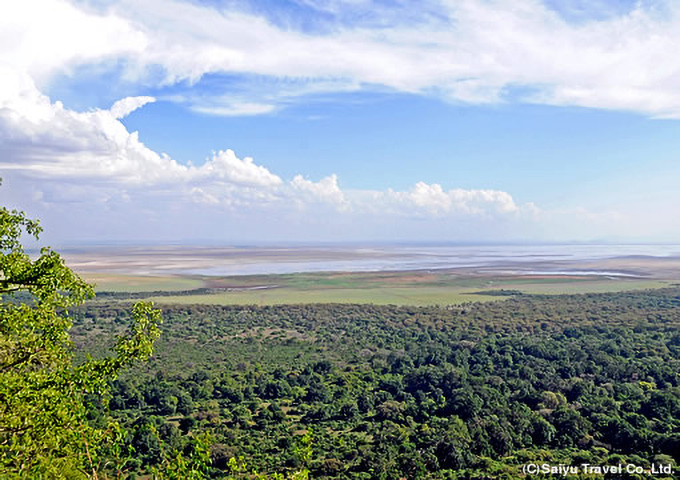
46 427
366 391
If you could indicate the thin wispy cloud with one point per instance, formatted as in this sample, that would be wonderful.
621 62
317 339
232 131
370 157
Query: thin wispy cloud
234 109
473 51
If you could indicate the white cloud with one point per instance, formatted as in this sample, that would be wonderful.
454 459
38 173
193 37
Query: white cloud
238 109
326 189
42 37
124 107
94 156
201 196
224 165
259 96
482 49
471 51
48 142
432 200
430 197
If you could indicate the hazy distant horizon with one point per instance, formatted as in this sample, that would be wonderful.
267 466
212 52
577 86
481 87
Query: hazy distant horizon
346 243
604 260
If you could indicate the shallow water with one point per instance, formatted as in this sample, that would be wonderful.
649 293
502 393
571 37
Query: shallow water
518 259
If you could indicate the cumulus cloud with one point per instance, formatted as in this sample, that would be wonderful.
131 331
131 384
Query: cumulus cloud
45 140
326 189
432 200
50 140
430 197
225 165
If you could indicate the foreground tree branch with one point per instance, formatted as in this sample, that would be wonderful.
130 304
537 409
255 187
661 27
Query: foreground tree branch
44 432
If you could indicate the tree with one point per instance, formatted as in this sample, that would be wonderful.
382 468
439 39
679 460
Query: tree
43 427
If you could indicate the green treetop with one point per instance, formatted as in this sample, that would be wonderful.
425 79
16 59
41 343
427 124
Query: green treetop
43 428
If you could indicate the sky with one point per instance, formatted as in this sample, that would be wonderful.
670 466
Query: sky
265 121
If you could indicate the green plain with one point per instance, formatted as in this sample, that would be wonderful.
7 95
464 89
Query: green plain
383 288
446 291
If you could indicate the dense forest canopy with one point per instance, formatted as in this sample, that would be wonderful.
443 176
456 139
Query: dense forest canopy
362 391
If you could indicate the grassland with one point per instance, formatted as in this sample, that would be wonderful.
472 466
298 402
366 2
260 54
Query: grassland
382 288
379 296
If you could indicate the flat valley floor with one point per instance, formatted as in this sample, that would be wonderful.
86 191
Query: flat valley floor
409 275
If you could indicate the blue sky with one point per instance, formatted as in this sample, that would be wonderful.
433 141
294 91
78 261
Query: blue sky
342 120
